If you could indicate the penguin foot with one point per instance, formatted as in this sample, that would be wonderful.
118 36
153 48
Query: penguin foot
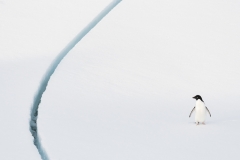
203 123
197 123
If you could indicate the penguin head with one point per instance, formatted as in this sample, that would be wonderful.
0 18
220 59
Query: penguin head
197 97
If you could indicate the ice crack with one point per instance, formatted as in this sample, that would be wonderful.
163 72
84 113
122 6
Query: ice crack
50 71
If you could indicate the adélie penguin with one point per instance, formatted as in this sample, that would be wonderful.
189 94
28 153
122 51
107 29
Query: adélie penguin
200 109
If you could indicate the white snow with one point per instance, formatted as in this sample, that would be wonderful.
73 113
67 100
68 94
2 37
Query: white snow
124 92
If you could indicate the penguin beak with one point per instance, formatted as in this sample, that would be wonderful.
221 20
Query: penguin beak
194 97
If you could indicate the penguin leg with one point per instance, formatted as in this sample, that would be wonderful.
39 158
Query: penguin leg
197 123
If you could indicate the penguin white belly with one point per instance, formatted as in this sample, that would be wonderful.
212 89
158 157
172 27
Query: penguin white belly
200 114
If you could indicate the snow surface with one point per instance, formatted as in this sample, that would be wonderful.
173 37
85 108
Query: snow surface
124 92
44 83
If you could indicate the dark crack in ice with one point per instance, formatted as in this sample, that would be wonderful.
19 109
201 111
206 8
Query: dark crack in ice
50 71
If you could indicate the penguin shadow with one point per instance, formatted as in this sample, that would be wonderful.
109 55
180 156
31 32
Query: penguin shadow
207 122
216 122
199 124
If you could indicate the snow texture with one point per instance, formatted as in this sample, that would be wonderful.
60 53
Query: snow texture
46 78
125 92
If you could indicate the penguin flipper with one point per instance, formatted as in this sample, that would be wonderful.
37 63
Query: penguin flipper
208 111
191 112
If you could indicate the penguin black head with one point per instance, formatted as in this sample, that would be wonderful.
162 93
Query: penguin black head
197 97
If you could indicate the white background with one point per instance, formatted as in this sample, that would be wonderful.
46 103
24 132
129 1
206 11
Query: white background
124 92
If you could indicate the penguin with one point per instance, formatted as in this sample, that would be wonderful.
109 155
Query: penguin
201 110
